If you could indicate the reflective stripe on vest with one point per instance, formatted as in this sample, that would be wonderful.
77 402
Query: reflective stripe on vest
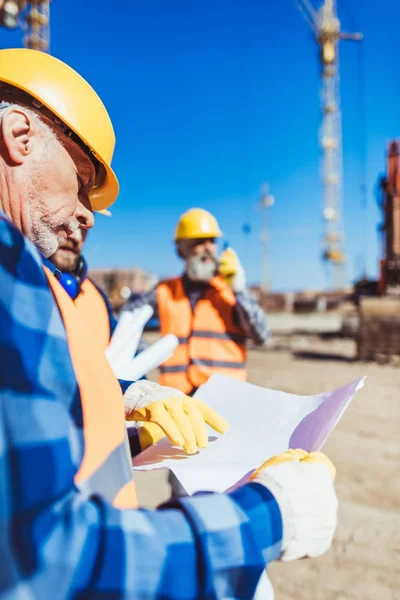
106 465
209 340
92 307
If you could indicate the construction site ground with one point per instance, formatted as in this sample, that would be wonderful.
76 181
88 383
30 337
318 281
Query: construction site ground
364 563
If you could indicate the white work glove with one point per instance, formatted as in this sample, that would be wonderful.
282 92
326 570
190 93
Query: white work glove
144 392
169 412
231 269
302 484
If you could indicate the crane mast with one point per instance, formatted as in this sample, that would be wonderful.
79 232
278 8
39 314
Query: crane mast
327 30
331 144
37 25
34 16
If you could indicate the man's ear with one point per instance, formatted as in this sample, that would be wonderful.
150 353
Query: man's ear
17 130
179 249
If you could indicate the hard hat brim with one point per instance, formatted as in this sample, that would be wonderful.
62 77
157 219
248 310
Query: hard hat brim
104 195
201 236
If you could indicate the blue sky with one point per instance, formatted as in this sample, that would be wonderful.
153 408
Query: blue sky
210 98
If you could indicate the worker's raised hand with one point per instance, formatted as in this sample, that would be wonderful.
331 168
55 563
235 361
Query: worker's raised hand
231 270
302 484
181 418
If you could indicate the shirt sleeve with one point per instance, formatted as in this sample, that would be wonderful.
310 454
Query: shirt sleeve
56 542
251 318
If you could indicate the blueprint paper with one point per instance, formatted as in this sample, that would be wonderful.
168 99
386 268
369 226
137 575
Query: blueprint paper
126 337
263 423
149 359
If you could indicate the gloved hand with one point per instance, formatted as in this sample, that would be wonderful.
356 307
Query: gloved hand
230 268
182 419
149 434
302 484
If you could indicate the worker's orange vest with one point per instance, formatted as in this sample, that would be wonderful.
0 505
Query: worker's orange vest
92 307
209 340
106 467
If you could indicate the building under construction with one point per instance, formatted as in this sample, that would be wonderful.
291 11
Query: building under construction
120 284
378 337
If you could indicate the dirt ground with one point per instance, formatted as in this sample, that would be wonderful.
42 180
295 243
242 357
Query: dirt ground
364 563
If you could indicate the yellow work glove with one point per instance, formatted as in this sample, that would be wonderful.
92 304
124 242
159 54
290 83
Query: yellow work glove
302 484
149 434
181 418
231 270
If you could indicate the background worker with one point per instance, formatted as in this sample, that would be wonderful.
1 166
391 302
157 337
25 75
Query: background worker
69 528
209 308
96 311
89 298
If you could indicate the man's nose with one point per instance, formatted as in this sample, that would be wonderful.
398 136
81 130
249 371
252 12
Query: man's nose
84 216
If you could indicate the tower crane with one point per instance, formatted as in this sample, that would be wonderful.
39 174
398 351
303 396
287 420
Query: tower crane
33 15
326 28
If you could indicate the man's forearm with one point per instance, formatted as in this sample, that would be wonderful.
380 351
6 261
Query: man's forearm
251 318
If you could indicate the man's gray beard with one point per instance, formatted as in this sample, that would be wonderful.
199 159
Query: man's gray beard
198 270
45 241
41 232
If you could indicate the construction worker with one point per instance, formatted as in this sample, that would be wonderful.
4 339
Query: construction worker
69 527
209 308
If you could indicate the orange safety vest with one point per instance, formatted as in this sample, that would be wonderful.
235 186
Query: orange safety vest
106 467
209 340
91 305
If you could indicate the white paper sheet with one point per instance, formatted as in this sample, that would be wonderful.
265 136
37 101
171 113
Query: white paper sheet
263 423
126 337
124 343
149 359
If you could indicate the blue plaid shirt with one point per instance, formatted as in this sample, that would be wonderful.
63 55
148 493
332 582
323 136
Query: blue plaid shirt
56 544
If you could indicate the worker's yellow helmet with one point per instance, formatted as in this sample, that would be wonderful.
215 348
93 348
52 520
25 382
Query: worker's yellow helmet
58 91
197 223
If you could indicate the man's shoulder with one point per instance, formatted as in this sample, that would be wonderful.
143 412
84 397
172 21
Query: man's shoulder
25 298
170 281
170 288
19 258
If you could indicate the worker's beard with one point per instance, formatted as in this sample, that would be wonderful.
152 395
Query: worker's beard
42 233
198 268
45 229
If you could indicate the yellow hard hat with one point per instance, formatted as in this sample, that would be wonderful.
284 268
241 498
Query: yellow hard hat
47 83
197 223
